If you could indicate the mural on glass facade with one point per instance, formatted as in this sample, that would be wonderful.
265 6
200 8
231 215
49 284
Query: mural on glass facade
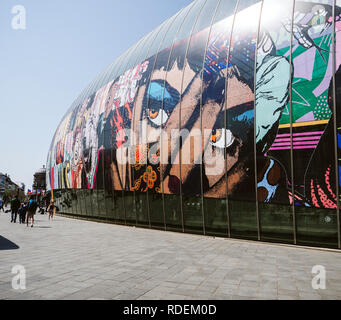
262 86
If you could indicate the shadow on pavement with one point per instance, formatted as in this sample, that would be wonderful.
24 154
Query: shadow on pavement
6 244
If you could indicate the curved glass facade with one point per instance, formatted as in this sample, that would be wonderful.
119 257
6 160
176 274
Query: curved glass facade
222 121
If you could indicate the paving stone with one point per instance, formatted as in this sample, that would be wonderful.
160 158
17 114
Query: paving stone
84 260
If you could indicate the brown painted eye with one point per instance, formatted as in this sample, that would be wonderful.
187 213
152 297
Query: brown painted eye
153 114
157 117
215 137
223 138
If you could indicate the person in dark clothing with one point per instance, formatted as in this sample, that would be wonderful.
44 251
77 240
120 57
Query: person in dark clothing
2 205
15 204
22 213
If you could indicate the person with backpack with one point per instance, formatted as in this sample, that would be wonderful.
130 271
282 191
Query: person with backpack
31 210
15 204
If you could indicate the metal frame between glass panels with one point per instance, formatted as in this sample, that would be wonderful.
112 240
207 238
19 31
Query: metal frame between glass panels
163 94
228 219
337 180
182 89
294 220
201 99
143 58
139 59
168 27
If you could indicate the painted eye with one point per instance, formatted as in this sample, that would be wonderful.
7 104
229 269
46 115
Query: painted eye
157 117
153 114
222 138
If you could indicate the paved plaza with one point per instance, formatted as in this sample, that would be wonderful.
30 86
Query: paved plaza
76 259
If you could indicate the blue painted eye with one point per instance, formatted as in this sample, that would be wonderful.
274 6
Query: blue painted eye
157 92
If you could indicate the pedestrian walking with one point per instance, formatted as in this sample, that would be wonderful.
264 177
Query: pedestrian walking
15 205
31 210
22 213
2 205
51 210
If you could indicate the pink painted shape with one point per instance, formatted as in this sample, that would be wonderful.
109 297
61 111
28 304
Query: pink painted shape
326 80
304 64
307 117
296 148
295 143
299 139
300 134
338 42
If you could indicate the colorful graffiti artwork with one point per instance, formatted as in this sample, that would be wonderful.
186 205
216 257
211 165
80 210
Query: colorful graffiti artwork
264 90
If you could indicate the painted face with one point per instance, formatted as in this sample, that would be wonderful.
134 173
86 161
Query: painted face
90 140
166 103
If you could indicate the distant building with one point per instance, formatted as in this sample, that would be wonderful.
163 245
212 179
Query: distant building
39 181
10 188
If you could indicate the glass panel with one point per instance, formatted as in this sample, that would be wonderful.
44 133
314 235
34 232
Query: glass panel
124 61
119 207
94 203
337 71
226 9
240 124
214 181
313 132
190 123
141 216
131 207
157 44
103 174
173 31
77 210
99 81
99 106
56 200
78 199
106 142
111 177
92 208
243 4
272 100
140 173
106 73
83 203
137 172
114 71
61 201
188 24
110 72
145 52
118 116
208 13
166 96
153 169
133 60
90 145
71 202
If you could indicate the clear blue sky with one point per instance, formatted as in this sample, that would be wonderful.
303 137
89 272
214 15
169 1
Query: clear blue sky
45 67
